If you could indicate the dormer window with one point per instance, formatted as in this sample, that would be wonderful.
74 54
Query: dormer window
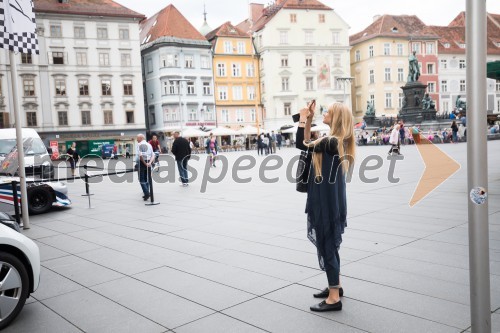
461 45
497 44
146 39
446 45
394 29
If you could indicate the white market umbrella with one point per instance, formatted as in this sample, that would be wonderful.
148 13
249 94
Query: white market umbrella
292 130
193 133
320 128
222 131
247 130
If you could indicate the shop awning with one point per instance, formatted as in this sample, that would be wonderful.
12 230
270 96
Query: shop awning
493 70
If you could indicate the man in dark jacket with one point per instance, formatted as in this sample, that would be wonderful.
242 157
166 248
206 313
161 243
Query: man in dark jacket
182 153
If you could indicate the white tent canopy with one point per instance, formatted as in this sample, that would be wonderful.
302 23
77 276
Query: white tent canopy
320 128
247 130
193 133
221 131
290 130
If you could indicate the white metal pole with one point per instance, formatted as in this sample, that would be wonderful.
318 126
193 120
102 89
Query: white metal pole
477 167
180 106
19 137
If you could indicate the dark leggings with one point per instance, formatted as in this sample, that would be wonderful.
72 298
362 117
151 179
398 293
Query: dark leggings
332 268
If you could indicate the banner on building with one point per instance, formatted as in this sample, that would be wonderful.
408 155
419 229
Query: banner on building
54 145
324 81
18 27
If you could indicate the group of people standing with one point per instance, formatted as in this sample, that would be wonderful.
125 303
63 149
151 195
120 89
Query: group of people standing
267 143
147 158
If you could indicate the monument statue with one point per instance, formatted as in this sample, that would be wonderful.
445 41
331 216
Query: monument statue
428 103
414 69
460 104
370 109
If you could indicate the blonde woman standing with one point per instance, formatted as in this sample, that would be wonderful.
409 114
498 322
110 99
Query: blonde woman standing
326 206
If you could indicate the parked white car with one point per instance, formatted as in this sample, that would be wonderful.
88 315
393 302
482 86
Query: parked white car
19 272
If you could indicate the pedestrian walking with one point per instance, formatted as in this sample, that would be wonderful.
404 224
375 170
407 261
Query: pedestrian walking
279 139
212 149
127 152
273 142
402 132
155 144
145 159
394 140
73 158
265 141
181 149
260 144
454 131
326 207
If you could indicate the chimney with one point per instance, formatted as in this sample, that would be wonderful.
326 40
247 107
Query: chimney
376 17
256 10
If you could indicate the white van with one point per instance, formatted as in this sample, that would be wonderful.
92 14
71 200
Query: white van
36 157
42 193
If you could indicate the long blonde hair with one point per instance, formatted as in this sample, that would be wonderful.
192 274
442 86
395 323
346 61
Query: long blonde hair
342 129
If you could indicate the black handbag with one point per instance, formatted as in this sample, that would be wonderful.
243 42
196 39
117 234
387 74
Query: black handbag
303 168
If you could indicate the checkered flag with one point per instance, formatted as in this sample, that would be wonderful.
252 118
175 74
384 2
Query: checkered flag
17 26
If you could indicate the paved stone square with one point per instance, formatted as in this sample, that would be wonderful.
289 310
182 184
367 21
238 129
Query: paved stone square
236 258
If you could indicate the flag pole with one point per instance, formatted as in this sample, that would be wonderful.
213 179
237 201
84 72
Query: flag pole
19 137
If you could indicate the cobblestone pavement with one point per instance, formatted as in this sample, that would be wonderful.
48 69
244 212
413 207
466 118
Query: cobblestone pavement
236 258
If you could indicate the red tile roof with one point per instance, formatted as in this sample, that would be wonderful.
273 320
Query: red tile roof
304 4
245 26
452 37
269 12
454 34
169 22
458 21
226 30
496 18
401 26
85 7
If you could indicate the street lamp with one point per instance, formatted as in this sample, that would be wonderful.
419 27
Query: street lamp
202 118
344 80
180 105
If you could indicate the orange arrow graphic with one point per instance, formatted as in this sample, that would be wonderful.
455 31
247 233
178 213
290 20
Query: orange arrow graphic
439 166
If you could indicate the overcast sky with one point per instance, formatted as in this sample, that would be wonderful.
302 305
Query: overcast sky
357 13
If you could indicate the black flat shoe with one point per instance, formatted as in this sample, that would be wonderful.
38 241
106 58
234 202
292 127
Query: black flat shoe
323 307
325 292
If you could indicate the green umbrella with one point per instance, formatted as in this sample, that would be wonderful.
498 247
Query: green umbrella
493 70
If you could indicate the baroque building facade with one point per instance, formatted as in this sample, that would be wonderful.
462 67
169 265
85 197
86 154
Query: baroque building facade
85 86
379 62
304 48
177 72
237 93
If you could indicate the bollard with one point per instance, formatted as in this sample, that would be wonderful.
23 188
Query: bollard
87 187
16 202
151 194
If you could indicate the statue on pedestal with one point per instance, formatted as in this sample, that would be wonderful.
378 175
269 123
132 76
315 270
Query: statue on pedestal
427 102
370 109
414 69
460 105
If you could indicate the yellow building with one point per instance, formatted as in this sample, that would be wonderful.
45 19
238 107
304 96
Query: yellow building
236 77
379 62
